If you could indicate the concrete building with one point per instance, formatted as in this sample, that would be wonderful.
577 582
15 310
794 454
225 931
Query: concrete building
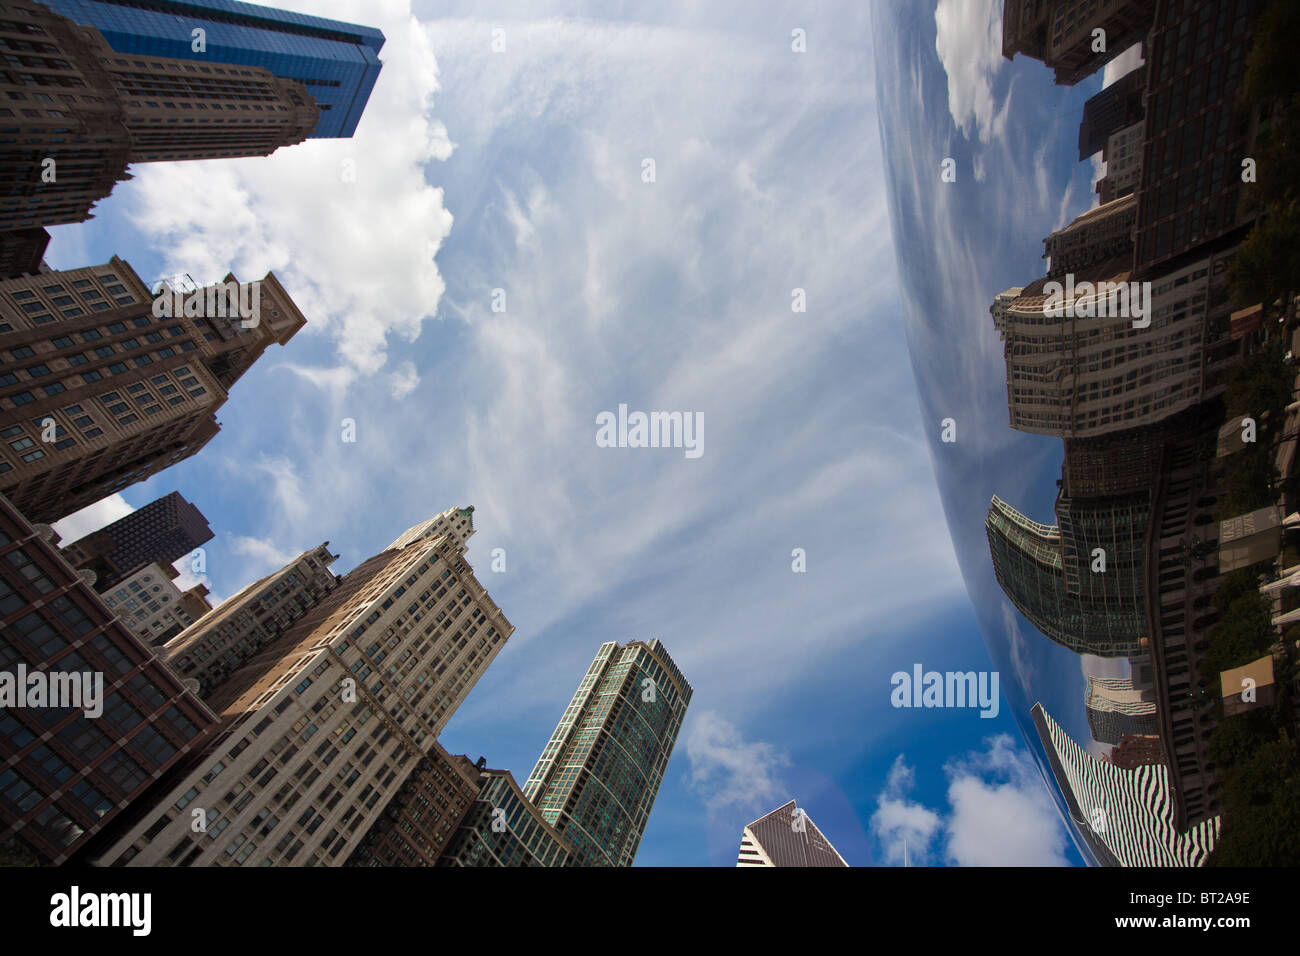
66 775
323 727
422 817
1051 572
163 531
1138 750
1117 709
1061 33
1195 136
1084 375
1123 157
151 605
504 828
97 392
337 63
1112 109
786 837
226 639
64 150
1099 236
598 776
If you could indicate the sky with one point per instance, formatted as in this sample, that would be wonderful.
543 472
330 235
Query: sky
502 159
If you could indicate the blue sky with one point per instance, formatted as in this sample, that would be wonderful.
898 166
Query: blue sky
521 170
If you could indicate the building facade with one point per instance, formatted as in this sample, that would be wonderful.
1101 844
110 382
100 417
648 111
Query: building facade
598 776
786 837
64 774
422 817
98 392
1062 33
324 726
163 531
505 828
1051 573
1117 709
337 63
65 150
151 605
224 640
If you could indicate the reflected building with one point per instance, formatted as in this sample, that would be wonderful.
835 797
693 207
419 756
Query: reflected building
1195 137
1060 33
1138 750
1086 375
1048 571
1114 108
1125 816
1117 709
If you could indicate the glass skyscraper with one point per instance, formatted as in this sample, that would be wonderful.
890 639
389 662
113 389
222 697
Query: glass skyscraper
597 779
337 62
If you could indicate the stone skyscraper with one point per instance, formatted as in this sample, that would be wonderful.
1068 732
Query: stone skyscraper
79 114
324 726
99 391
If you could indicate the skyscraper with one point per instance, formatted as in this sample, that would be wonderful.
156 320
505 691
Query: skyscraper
97 391
423 816
1126 817
163 531
1063 33
325 725
66 772
79 114
1055 578
226 639
503 828
337 62
1116 709
597 778
786 837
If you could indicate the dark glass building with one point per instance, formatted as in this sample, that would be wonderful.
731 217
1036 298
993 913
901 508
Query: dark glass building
597 779
161 532
503 828
337 62
66 772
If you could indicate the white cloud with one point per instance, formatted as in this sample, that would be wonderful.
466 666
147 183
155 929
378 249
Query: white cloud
403 380
730 772
356 252
92 518
968 40
999 813
262 555
1002 814
904 827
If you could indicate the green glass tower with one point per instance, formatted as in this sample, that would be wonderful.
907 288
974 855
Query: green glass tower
597 779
